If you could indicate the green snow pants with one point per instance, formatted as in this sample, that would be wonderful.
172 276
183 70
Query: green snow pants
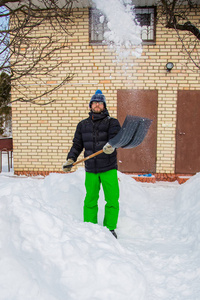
110 186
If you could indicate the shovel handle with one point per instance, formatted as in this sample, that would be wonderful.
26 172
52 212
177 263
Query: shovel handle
88 157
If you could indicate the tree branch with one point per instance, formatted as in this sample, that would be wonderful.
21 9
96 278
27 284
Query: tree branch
27 55
188 26
183 16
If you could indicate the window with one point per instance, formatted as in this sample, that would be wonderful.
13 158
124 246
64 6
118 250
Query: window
145 16
98 25
146 19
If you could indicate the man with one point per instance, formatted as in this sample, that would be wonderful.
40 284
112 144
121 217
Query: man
93 134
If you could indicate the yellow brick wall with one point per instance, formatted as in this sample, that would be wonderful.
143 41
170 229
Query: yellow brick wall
43 134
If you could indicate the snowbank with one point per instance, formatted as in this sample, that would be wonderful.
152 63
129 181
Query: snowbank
47 252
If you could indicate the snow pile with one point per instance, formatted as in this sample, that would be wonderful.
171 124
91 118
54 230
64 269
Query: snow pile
47 252
124 33
188 212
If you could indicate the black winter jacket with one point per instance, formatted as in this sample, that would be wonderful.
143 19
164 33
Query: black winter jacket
92 134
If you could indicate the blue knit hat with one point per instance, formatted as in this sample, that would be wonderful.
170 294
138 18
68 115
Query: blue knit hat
98 97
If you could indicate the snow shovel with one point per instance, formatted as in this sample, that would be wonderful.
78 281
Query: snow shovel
131 134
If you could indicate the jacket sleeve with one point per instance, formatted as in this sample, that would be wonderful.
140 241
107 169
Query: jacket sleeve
77 146
114 128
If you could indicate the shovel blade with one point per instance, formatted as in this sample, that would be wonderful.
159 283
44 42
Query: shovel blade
126 132
140 133
132 132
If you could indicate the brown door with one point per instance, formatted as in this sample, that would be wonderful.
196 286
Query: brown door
188 132
141 103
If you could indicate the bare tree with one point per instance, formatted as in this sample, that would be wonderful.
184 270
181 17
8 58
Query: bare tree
5 108
183 16
32 32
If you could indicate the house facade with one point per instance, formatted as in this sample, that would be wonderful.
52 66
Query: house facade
142 86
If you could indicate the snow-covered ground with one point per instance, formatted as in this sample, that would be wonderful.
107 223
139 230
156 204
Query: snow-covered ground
48 253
